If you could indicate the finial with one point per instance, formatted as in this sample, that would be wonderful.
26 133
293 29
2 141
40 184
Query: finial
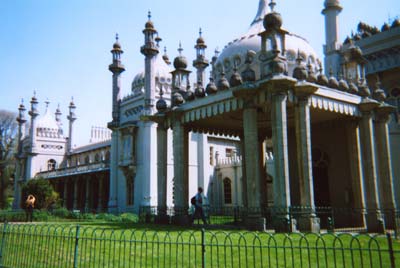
34 93
216 51
149 15
272 5
200 32
299 58
161 91
22 101
180 49
165 50
47 103
116 37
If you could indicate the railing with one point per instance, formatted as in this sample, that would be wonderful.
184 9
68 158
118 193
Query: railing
331 219
75 246
74 170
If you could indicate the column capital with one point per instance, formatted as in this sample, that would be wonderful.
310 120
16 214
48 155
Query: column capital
303 90
278 84
383 112
367 105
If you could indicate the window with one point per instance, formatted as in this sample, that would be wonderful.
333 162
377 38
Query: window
51 164
129 191
211 155
108 156
87 160
229 152
227 191
97 158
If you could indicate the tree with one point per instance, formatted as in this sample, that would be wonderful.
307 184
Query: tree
8 132
42 190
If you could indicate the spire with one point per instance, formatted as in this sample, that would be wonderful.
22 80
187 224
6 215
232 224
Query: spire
272 5
261 12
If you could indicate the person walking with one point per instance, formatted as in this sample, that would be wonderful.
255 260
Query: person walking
198 206
30 204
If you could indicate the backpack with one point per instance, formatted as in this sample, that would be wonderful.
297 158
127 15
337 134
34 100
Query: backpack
193 200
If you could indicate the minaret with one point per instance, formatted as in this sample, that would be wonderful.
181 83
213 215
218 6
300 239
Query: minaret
19 173
71 118
150 51
200 63
116 68
34 114
58 120
332 45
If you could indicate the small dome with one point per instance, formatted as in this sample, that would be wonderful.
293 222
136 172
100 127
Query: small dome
363 90
199 91
273 21
353 88
385 27
180 63
333 82
223 83
189 95
211 87
322 80
161 105
396 23
236 80
200 41
117 46
357 37
343 85
149 25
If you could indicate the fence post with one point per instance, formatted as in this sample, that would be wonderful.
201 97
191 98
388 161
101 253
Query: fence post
3 238
76 247
391 254
203 248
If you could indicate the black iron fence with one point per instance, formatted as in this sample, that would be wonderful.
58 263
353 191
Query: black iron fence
331 219
23 245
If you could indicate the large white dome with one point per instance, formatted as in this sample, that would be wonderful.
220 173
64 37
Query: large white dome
162 75
236 50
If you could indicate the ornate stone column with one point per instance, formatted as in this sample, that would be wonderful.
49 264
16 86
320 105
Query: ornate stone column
162 159
75 203
87 194
254 219
386 186
100 195
181 180
308 222
374 220
281 182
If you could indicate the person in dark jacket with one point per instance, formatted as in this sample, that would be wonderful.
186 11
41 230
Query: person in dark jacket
198 210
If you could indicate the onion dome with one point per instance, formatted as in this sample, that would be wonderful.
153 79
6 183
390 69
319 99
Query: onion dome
357 37
161 105
322 79
300 72
165 57
199 91
343 85
273 20
379 94
250 40
236 79
363 90
47 126
311 77
189 95
333 82
149 24
347 40
353 89
211 87
180 62
223 83
396 23
385 27
163 76
177 99
366 34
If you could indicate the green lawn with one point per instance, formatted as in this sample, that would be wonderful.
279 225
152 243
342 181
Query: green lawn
138 245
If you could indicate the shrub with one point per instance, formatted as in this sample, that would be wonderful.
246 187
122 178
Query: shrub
129 217
42 190
61 213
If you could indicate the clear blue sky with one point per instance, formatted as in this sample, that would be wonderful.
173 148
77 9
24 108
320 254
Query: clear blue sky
61 48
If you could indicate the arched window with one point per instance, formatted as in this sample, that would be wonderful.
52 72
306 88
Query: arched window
227 191
96 157
51 164
87 160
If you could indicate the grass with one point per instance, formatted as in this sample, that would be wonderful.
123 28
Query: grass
104 244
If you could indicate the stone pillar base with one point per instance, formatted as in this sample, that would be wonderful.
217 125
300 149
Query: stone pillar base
162 219
309 224
375 223
255 223
182 220
284 224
